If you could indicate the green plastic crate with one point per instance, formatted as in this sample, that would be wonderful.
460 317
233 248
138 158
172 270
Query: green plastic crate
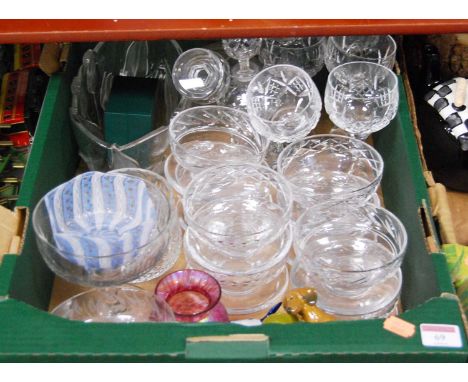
29 333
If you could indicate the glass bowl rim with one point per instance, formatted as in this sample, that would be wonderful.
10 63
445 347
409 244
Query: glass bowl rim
370 148
396 222
389 72
286 190
393 44
265 142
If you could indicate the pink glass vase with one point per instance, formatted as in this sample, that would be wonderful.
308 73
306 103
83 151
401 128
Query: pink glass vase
193 295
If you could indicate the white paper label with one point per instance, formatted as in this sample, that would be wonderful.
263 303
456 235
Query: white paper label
192 83
439 335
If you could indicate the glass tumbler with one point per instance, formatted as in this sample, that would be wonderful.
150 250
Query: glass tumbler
193 295
305 52
201 75
329 167
378 49
103 229
121 304
283 103
347 251
361 97
239 208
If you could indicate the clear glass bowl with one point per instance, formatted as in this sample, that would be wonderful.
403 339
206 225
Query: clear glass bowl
169 258
283 103
361 97
90 92
330 168
347 249
201 75
305 52
379 301
193 295
206 136
238 208
102 229
122 304
250 284
379 49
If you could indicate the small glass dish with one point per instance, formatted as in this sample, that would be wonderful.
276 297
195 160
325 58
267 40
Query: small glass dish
330 167
380 301
206 136
193 295
238 208
102 229
122 304
304 52
379 49
201 75
283 103
347 249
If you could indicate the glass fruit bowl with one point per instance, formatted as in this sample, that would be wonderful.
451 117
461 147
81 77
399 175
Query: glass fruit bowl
102 229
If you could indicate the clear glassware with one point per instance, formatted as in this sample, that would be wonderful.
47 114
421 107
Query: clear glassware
283 103
378 49
122 304
330 167
206 136
201 75
102 229
346 250
90 92
361 97
239 208
170 256
193 295
242 50
305 52
236 96
250 284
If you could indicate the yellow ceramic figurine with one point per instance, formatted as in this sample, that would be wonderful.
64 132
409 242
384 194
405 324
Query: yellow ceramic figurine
300 303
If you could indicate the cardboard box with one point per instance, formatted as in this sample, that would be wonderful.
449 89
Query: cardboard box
29 333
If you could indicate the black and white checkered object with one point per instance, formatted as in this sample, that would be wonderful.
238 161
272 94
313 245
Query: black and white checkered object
442 98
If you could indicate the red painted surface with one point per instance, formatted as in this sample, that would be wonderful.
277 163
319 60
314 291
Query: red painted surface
28 31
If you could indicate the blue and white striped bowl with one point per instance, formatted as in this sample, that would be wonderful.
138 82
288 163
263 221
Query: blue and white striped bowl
96 216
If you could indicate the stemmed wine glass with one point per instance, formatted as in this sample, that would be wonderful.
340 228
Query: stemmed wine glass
361 97
242 50
283 104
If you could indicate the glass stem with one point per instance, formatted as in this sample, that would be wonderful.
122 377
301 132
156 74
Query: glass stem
244 65
362 136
